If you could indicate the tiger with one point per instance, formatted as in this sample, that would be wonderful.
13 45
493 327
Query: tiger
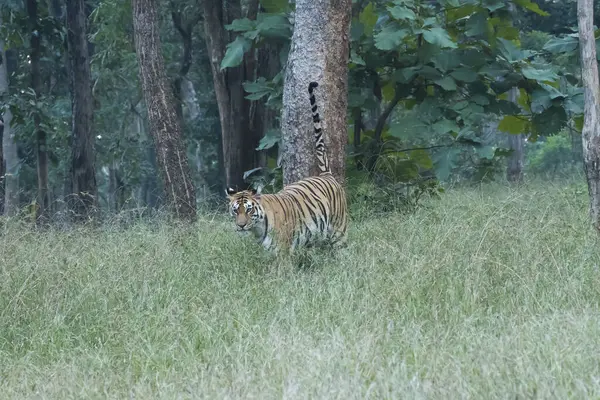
312 211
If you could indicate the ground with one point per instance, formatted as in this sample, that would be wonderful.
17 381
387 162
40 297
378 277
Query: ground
489 292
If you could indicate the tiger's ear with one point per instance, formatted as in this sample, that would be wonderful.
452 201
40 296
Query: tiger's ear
257 191
230 192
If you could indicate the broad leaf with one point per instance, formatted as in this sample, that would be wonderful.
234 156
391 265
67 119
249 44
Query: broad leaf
566 44
390 38
513 124
402 13
464 75
368 18
531 6
447 83
235 52
438 36
539 74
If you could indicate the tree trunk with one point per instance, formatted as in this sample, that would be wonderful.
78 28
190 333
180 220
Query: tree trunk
43 201
319 53
185 28
591 125
83 174
164 124
516 143
336 81
239 139
9 157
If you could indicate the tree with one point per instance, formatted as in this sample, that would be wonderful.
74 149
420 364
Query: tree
240 138
319 53
83 174
185 27
9 156
591 126
516 143
165 126
43 201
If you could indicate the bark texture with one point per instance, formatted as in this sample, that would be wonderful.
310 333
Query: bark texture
591 128
239 137
516 143
319 53
83 174
43 200
9 157
164 124
185 27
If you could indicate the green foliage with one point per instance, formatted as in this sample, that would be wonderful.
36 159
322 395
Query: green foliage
556 155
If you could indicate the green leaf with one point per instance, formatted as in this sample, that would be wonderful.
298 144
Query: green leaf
440 37
271 138
513 124
549 122
444 162
257 89
390 38
487 152
235 52
566 44
402 13
539 74
446 60
368 17
445 126
493 5
405 75
447 83
477 24
275 6
531 6
509 50
356 59
274 26
464 75
241 25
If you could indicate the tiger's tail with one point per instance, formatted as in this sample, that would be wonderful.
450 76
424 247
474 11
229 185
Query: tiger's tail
319 142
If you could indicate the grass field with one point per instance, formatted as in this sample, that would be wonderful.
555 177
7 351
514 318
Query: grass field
489 292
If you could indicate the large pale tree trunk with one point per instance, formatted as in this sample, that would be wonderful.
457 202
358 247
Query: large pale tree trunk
591 125
43 201
516 143
9 156
319 53
239 138
164 124
83 175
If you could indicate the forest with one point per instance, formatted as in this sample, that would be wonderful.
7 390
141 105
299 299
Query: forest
464 133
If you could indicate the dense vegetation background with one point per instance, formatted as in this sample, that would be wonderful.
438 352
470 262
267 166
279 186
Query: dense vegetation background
439 92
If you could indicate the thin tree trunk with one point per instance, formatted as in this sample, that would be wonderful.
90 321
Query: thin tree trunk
319 53
9 148
239 140
335 124
43 201
591 125
164 124
185 29
83 174
516 143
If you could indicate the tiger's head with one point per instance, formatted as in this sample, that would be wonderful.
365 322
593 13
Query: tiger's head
246 209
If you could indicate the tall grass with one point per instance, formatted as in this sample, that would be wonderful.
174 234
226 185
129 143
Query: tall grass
487 293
